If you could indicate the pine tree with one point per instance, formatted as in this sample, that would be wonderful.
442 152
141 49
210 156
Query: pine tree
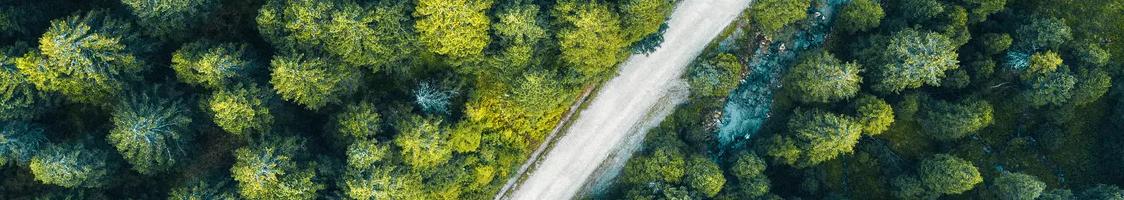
822 78
151 132
72 165
423 143
19 141
171 19
19 100
815 136
312 82
375 36
88 58
214 65
590 37
243 109
272 170
912 59
454 28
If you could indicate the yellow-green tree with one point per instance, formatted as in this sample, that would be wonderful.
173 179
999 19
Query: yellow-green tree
270 170
454 28
88 58
590 37
640 18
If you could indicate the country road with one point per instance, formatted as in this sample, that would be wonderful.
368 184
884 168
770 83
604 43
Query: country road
626 103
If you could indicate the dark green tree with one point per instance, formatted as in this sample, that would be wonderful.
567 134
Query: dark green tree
214 65
590 36
995 43
1057 194
1044 33
171 19
860 15
822 78
978 10
946 174
772 15
151 132
272 170
815 136
88 58
203 189
1017 186
913 59
72 165
944 120
19 142
1091 85
312 82
1102 192
1054 88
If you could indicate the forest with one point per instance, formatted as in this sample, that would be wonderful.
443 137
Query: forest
899 99
295 99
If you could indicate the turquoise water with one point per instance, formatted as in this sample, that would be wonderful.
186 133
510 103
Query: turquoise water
749 105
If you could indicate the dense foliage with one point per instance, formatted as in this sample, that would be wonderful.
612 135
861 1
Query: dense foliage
899 99
299 99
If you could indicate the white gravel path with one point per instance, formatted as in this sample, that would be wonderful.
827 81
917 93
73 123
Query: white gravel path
626 101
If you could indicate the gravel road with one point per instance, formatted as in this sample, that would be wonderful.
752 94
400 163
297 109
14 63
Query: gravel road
625 103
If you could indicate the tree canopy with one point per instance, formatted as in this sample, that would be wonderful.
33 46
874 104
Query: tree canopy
822 78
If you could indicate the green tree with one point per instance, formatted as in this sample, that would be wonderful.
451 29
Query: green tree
454 28
375 36
1041 64
913 59
19 100
312 82
1054 88
874 114
242 109
384 182
716 77
358 121
705 176
918 11
772 15
640 18
1044 33
1102 192
1017 186
423 143
71 165
203 189
363 154
946 174
909 187
519 29
171 19
88 58
590 37
995 43
214 65
151 132
19 142
860 15
944 120
815 136
1091 85
270 170
1057 194
749 172
822 78
663 164
978 10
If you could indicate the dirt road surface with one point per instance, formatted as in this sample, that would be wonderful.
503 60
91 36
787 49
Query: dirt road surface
626 101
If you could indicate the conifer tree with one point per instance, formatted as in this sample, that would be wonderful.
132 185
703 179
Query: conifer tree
151 132
19 100
454 28
312 82
822 78
374 35
214 65
272 170
815 136
72 165
171 19
590 37
19 141
424 143
243 109
88 58
912 59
